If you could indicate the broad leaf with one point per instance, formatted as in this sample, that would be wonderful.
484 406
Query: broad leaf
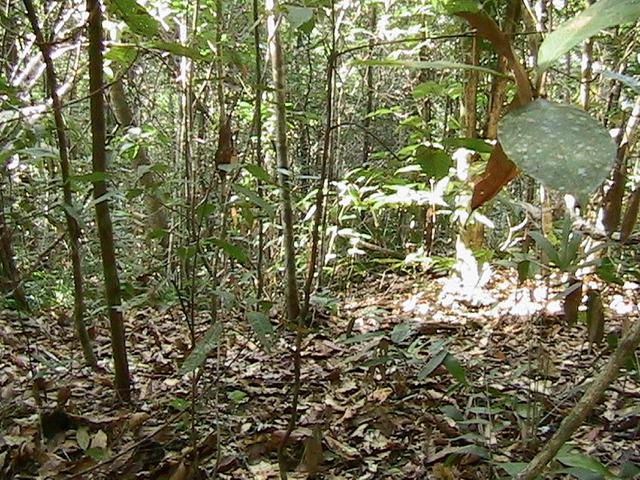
262 327
455 369
432 364
259 173
558 145
603 14
433 162
136 17
202 350
298 16
545 245
475 144
576 459
177 49
630 82
123 55
232 250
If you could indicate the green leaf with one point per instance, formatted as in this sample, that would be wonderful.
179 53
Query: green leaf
427 89
262 328
401 332
456 6
237 396
259 173
630 82
455 369
89 177
545 245
124 55
298 16
475 144
83 438
512 468
177 49
232 250
434 162
432 364
575 459
558 145
205 209
97 454
438 65
136 17
202 350
254 198
603 14
607 272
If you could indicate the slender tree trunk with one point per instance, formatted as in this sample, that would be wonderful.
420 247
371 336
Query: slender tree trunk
284 173
12 280
366 123
612 205
157 217
72 224
499 83
100 192
258 131
586 71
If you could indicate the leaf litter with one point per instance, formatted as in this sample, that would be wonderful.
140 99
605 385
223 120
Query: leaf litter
402 380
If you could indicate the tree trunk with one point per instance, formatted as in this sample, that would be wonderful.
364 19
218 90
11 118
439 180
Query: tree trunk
499 83
12 281
586 71
72 224
284 172
612 204
366 123
100 193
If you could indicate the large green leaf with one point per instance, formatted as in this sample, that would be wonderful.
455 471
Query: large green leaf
558 145
601 15
202 350
136 17
433 162
177 49
232 250
298 16
262 327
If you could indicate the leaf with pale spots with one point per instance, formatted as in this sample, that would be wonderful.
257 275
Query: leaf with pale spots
558 145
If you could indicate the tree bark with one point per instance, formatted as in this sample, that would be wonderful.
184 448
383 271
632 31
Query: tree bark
72 224
100 193
10 271
284 173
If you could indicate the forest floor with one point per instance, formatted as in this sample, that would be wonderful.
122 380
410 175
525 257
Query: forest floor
432 383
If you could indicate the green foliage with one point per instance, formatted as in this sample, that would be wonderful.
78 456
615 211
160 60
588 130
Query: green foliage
562 147
202 350
603 14
456 6
262 327
434 163
136 17
300 17
567 456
